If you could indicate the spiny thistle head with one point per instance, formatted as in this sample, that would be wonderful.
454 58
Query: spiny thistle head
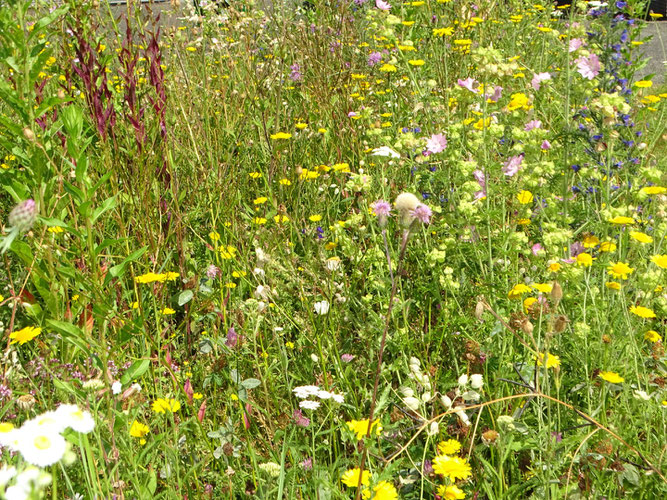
22 216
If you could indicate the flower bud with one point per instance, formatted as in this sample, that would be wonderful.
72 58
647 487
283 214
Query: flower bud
412 403
29 134
556 292
22 216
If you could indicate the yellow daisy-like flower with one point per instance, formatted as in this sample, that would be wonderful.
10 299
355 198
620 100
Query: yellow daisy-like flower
259 221
162 405
214 235
543 287
285 182
449 447
24 335
642 312
388 68
350 478
450 492
585 259
607 246
613 285
652 336
416 62
650 190
280 136
619 219
553 361
443 31
360 427
315 218
385 491
260 201
641 237
517 291
452 467
525 197
620 270
591 241
167 311
528 303
554 267
644 84
138 430
660 261
281 219
611 377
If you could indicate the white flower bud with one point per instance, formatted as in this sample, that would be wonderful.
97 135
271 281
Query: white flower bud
406 392
463 379
476 381
412 403
433 429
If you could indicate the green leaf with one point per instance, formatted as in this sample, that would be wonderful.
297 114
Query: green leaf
250 383
71 334
107 205
184 297
136 370
119 270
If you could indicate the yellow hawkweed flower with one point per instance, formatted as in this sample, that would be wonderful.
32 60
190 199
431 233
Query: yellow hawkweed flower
24 335
611 377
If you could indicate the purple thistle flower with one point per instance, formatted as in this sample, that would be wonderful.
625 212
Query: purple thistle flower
422 213
232 338
382 209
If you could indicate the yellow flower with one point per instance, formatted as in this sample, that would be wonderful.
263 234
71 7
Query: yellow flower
613 285
653 190
214 235
285 182
443 31
553 361
25 335
360 427
452 467
260 201
652 336
608 246
528 303
619 219
259 221
147 278
620 270
321 131
584 259
281 219
517 101
138 430
280 135
315 218
388 68
55 229
301 125
385 491
161 405
642 312
591 241
641 237
554 267
611 377
660 260
525 197
197 395
543 287
227 252
255 175
517 291
416 62
450 492
449 447
167 311
644 84
350 478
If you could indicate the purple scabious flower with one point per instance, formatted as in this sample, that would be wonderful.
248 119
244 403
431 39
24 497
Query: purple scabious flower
422 213
382 209
374 58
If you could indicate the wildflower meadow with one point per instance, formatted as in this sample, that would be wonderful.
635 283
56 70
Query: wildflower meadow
332 249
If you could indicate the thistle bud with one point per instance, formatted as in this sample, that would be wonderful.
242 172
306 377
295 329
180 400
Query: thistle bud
561 323
26 402
61 94
22 216
490 437
527 327
29 134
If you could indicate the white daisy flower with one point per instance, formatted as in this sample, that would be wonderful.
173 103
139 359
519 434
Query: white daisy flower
41 446
7 472
48 420
75 418
9 436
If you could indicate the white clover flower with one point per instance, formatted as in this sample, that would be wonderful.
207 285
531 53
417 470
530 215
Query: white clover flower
40 445
309 405
116 387
75 418
476 381
321 307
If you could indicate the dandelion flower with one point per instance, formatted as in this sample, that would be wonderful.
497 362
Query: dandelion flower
161 405
608 246
280 136
517 291
452 467
350 478
450 492
449 447
553 361
652 336
611 377
585 260
138 430
25 335
619 219
385 490
360 427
